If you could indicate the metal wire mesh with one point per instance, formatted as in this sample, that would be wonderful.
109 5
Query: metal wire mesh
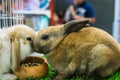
7 15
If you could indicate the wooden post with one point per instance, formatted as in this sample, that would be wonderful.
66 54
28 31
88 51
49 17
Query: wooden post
52 12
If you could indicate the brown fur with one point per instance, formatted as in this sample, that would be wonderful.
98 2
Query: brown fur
90 50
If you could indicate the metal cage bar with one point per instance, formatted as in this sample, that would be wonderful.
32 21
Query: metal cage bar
7 17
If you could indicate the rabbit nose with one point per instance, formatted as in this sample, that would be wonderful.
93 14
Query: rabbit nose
36 45
36 48
32 43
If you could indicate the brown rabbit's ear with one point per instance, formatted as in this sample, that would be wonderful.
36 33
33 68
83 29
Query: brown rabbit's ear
75 25
15 54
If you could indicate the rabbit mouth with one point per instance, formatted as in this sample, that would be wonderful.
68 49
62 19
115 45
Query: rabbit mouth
43 51
39 50
36 49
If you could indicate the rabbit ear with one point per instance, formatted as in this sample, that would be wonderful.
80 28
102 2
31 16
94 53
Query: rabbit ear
75 25
15 54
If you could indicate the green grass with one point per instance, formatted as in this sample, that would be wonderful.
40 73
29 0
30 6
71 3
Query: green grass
114 76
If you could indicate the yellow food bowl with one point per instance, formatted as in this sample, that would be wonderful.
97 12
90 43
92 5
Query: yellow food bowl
32 66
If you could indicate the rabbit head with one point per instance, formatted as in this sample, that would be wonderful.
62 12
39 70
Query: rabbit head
49 38
21 38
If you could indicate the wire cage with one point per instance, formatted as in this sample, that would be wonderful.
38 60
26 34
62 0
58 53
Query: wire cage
34 13
7 16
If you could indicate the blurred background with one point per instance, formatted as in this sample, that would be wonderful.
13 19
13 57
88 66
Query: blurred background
39 14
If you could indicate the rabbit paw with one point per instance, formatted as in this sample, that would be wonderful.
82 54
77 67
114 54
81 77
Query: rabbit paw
58 77
8 77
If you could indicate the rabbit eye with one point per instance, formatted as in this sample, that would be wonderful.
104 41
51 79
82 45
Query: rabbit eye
45 37
29 38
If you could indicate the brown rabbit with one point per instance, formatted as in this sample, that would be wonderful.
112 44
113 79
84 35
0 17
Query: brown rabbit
73 46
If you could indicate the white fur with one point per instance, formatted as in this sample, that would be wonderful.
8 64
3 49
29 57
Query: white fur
8 77
5 56
6 51
25 50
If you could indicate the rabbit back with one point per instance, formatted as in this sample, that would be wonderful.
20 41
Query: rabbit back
93 49
88 50
5 52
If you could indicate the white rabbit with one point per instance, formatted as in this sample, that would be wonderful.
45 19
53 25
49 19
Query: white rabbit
76 48
16 43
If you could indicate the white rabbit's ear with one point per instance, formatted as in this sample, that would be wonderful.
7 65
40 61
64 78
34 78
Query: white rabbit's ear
15 54
75 25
